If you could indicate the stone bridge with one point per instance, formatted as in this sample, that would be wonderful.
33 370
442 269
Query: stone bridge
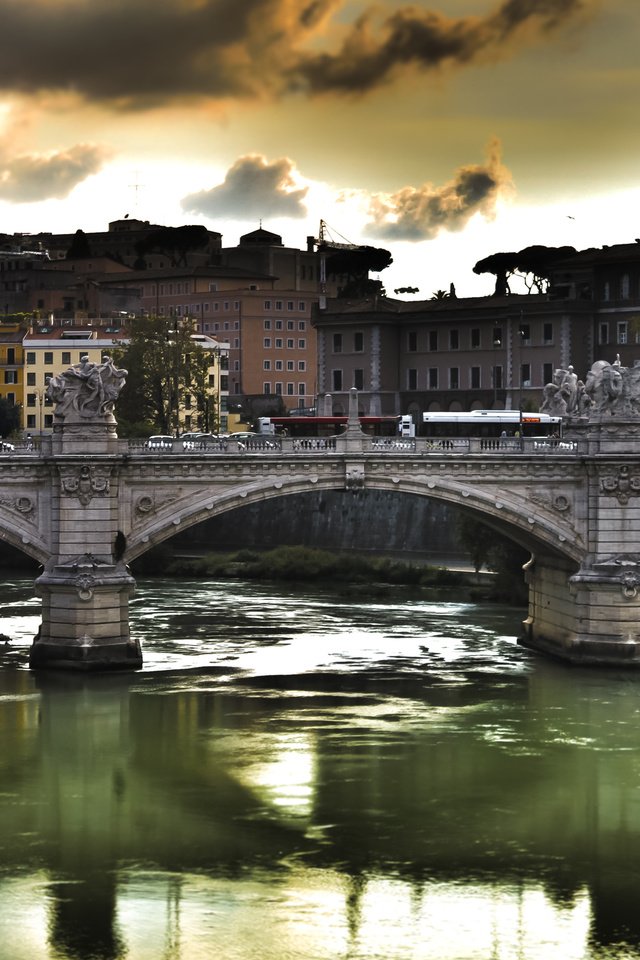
85 503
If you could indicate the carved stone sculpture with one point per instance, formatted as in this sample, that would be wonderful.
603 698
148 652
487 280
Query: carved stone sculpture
87 390
609 390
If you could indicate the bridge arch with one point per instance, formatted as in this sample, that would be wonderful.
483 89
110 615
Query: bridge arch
24 538
508 512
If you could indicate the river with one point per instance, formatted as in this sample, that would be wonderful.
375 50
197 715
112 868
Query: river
314 776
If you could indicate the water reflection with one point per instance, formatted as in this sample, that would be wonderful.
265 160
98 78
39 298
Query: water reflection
324 780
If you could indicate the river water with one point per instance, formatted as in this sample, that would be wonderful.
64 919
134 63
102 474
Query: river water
311 776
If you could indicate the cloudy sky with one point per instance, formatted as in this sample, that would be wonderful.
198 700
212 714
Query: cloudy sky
443 130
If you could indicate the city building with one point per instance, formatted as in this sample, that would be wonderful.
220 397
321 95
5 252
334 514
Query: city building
480 352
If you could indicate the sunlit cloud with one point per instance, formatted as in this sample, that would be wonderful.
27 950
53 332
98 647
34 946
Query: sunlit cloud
252 188
421 213
29 178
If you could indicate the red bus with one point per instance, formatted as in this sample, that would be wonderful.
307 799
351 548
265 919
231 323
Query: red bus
325 426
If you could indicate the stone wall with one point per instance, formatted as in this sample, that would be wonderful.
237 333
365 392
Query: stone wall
367 521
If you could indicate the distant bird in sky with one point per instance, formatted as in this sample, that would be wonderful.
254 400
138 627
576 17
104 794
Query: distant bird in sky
569 217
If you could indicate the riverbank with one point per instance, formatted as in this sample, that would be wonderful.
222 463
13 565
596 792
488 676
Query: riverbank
346 573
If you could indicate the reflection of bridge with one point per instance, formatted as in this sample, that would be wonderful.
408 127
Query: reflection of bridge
86 503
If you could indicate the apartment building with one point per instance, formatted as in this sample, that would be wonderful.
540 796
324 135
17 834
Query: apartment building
11 363
481 352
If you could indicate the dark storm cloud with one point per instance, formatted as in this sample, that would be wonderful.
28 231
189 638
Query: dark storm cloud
134 54
420 213
31 178
427 40
252 188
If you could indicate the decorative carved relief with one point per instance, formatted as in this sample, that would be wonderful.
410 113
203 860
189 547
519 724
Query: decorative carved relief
152 503
558 502
621 485
354 479
23 505
86 482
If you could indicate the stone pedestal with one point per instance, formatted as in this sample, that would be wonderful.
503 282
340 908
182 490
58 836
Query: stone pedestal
85 618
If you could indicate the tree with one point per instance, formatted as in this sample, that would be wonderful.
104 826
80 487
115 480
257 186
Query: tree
538 261
79 249
502 265
173 242
163 366
9 417
488 548
355 263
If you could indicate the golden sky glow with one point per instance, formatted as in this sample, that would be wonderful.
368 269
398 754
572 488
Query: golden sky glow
442 129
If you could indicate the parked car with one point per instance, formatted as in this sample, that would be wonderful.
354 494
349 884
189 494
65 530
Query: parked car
197 441
160 442
6 447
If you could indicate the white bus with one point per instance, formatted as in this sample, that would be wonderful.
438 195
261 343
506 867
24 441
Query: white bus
491 423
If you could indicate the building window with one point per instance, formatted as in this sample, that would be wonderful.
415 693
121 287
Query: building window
266 324
358 341
603 333
266 389
279 342
302 366
547 334
31 357
11 376
290 390
336 377
267 304
454 340
475 337
302 389
606 291
48 357
212 287
302 344
497 378
623 332
412 341
432 378
337 343
279 365
525 374
31 379
266 343
279 325
279 386
433 340
475 378
547 373
291 365
266 364
302 325
290 325
279 307
290 344
454 378
624 287
525 334
412 379
301 306
358 379
31 421
290 303
497 336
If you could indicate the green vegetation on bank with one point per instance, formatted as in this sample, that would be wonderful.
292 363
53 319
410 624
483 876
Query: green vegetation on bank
303 565
294 563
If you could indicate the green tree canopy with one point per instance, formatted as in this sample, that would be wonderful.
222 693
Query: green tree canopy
164 365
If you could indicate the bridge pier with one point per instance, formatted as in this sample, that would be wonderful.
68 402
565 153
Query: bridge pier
85 586
85 618
589 616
